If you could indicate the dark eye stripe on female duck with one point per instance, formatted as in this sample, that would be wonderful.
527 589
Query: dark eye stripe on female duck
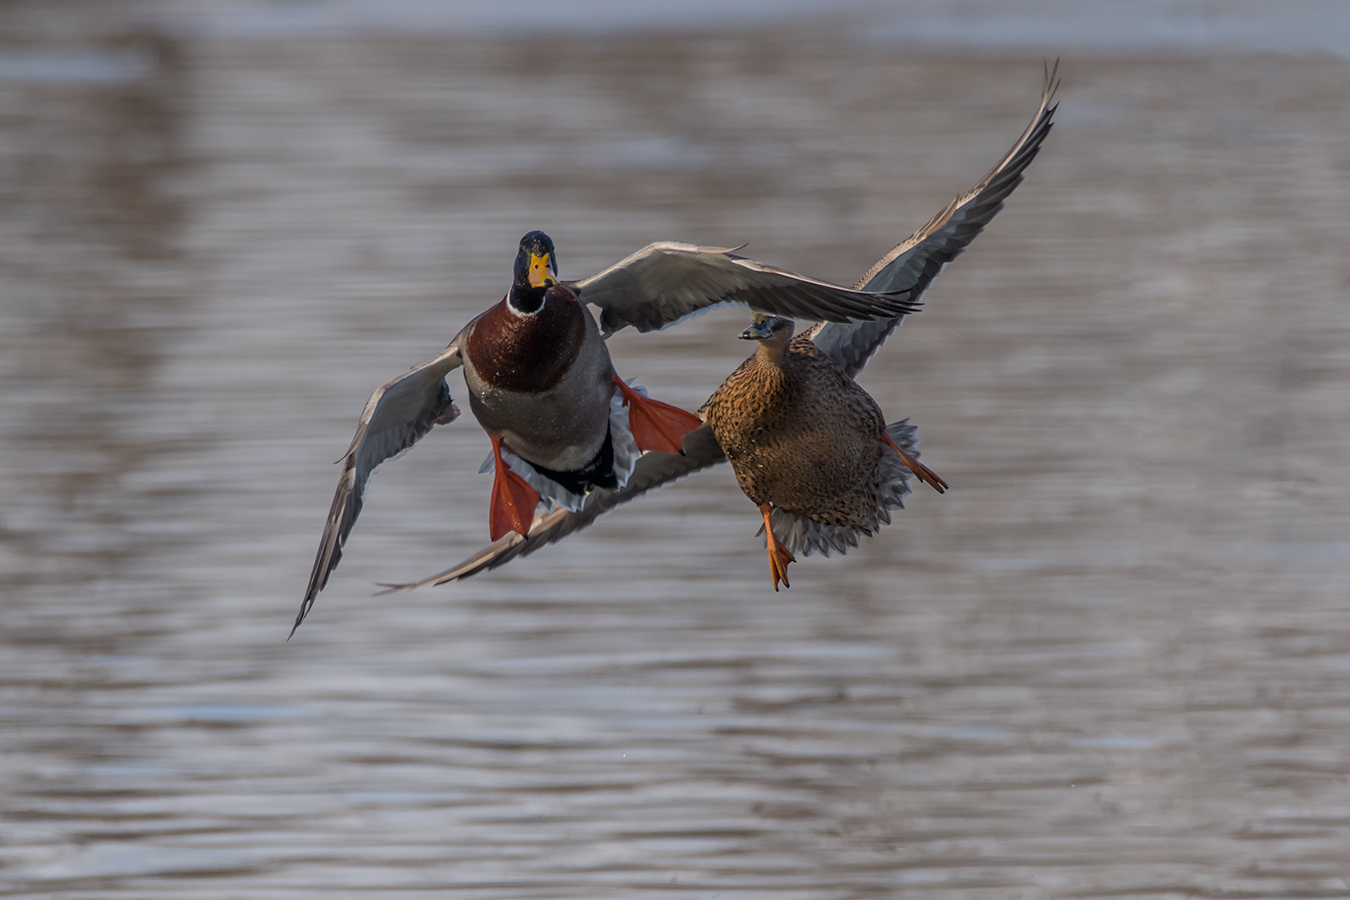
807 441
560 420
911 265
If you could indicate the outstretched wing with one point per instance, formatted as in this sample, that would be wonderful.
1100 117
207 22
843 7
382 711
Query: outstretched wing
396 417
646 291
665 282
701 450
916 261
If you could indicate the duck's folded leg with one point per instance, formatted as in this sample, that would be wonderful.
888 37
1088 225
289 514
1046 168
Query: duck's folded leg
513 500
779 557
656 425
922 472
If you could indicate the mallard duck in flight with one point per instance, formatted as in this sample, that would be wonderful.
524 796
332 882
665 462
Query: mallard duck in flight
809 446
909 267
540 380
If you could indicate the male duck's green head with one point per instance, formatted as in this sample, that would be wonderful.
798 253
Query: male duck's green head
536 271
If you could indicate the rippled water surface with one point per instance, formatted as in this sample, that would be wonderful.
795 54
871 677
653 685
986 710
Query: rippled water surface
1113 661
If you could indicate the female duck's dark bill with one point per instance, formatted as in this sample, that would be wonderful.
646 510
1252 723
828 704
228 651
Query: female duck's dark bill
764 326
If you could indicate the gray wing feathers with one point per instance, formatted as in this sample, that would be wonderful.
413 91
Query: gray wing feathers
665 282
653 470
395 417
668 281
913 264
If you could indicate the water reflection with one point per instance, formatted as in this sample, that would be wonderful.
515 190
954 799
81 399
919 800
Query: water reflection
1111 660
92 288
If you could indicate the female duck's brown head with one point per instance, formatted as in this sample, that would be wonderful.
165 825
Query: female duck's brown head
772 332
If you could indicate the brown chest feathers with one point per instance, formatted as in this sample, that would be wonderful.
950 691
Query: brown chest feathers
800 434
528 353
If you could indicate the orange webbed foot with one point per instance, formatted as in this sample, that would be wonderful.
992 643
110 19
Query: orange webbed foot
921 472
513 500
779 557
656 425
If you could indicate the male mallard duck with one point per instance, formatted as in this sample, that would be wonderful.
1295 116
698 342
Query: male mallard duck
808 446
910 266
543 387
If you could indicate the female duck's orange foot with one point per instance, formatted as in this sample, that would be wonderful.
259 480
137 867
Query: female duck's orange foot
779 557
513 500
656 425
922 472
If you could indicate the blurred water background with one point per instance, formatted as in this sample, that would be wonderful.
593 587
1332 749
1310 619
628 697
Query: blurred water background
1113 661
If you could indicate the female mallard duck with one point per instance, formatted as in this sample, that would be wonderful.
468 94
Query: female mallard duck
809 446
542 385
910 266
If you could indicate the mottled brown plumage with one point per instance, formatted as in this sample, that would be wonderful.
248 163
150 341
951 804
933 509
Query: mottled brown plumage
800 434
805 439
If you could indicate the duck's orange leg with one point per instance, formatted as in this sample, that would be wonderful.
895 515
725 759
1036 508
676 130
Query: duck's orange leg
513 500
656 425
779 557
922 472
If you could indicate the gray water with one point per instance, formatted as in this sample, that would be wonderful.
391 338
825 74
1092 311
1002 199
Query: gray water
1113 661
